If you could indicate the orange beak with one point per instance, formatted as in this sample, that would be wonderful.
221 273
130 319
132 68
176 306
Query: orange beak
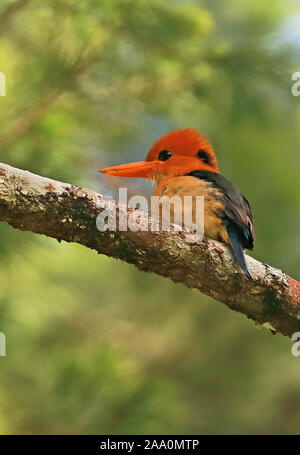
143 169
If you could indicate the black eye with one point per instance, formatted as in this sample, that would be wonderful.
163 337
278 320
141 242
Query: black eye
164 155
203 155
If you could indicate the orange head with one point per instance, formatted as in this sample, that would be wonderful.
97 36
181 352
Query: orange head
177 153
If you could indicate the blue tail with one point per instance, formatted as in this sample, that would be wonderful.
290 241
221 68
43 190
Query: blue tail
238 250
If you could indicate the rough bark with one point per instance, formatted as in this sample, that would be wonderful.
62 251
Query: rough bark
67 212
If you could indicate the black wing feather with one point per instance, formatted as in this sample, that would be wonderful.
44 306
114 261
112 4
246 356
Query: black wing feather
237 215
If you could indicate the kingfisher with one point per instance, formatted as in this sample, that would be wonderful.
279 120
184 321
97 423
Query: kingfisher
183 163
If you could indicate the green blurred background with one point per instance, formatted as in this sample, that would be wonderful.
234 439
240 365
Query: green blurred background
93 345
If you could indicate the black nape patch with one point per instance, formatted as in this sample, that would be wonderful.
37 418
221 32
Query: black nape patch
203 155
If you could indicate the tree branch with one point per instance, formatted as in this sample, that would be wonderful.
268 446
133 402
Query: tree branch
67 212
20 127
